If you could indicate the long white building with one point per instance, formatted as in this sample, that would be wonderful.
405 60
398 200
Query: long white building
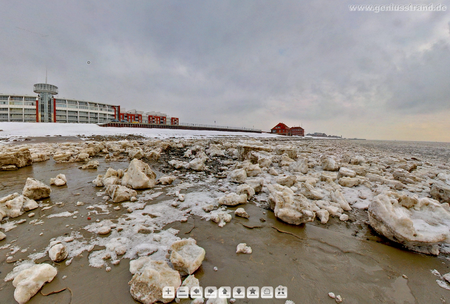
46 108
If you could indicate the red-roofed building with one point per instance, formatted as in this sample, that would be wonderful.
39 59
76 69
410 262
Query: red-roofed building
282 129
297 131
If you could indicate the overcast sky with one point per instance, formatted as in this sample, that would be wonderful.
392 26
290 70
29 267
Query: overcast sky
240 63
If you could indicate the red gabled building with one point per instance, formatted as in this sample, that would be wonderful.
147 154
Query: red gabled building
282 129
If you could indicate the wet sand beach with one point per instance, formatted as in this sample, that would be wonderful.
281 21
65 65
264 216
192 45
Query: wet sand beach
347 257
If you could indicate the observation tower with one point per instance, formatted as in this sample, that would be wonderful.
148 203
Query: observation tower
45 108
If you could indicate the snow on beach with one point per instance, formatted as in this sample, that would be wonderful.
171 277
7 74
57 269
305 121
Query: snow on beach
19 129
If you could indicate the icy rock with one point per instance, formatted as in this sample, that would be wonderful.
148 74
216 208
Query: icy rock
2 236
14 205
233 199
241 212
166 180
246 189
343 218
215 150
346 172
243 248
339 198
349 181
357 160
329 164
62 156
104 230
120 194
92 164
9 168
154 154
111 177
208 208
29 281
60 180
135 153
255 183
58 253
272 171
191 281
39 157
221 218
422 227
286 180
310 192
98 181
446 277
35 189
139 175
292 210
148 281
252 170
238 176
323 216
178 164
18 157
441 192
299 166
197 164
186 256
286 160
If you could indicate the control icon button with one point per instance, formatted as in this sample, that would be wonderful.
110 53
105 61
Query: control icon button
281 292
183 292
224 292
196 292
239 292
211 292
168 292
253 292
267 292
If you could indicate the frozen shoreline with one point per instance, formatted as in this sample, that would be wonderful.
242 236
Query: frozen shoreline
323 185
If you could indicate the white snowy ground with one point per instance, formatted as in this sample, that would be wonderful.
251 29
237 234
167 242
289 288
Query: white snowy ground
20 129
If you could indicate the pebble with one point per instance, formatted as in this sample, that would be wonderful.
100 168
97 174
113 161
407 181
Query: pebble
31 214
338 299
332 295
41 234
215 268
75 217
108 269
10 259
117 208
21 221
104 230
405 276
64 277
80 204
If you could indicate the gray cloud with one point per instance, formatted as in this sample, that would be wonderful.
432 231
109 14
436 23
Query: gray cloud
251 63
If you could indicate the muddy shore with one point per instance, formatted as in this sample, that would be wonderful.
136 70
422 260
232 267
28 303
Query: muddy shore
345 257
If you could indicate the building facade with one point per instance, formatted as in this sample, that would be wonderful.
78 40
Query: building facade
45 107
25 108
283 129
